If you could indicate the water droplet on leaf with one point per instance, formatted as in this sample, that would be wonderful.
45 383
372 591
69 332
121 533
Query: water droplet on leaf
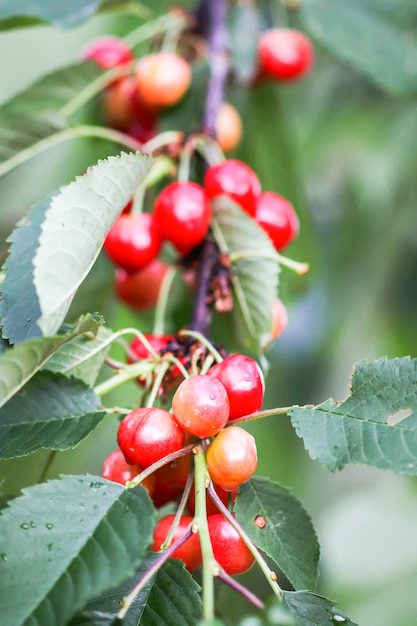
3 556
339 619
49 526
25 526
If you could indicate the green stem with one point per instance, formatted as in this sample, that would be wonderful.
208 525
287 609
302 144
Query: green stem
295 266
68 134
170 358
210 565
180 510
129 372
161 307
202 339
146 31
260 414
163 368
51 457
163 139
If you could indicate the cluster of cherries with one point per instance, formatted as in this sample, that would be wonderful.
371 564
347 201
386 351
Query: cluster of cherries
204 408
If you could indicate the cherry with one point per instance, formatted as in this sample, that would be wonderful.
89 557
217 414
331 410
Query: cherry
210 506
183 213
276 215
108 52
243 380
139 350
133 241
201 406
146 435
279 318
162 79
229 549
116 469
141 290
232 458
123 108
236 180
228 127
285 54
190 551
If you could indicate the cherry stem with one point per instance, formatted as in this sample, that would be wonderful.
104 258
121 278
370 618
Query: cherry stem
160 311
180 510
163 368
51 457
202 339
246 593
216 12
260 414
158 464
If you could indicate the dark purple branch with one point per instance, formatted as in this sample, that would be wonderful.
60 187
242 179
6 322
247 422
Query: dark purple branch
216 11
201 317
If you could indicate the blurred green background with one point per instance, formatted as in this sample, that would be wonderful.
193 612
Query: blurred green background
345 153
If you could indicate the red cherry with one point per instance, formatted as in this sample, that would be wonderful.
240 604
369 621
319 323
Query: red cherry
108 52
146 435
201 406
285 54
236 180
141 290
190 551
116 469
183 213
138 350
162 79
232 458
276 215
279 318
133 241
243 380
229 549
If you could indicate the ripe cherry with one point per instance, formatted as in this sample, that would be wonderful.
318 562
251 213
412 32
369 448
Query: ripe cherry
140 351
232 458
146 435
279 318
229 549
201 406
162 79
276 215
116 469
190 551
123 108
285 54
183 213
108 52
228 127
133 241
243 380
236 180
141 290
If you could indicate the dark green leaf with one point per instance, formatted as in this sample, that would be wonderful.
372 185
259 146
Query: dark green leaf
255 273
376 425
66 542
19 364
377 37
307 609
64 14
82 357
287 536
51 411
245 28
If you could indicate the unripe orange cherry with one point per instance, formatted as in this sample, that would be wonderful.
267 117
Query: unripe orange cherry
232 458
162 79
228 127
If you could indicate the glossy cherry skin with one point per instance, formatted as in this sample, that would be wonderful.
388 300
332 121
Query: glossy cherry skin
232 458
116 469
229 549
140 290
123 108
279 318
201 406
285 54
228 127
234 179
133 241
162 79
243 380
190 551
146 435
276 215
183 213
108 52
138 350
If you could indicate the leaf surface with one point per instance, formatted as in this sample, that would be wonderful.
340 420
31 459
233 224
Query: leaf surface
67 541
308 609
376 425
255 275
51 411
383 32
20 363
286 533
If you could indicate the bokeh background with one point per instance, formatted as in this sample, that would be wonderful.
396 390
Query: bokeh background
345 153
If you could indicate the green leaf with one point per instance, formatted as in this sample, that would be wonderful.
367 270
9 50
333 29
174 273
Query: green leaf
19 364
67 541
245 29
287 536
96 618
51 411
376 37
255 273
63 14
308 609
376 425
171 597
82 357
